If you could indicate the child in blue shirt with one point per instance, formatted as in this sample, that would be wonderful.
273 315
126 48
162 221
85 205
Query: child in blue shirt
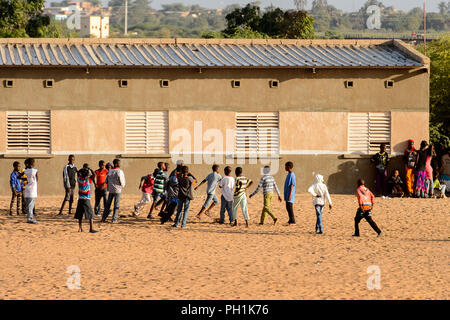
289 191
16 184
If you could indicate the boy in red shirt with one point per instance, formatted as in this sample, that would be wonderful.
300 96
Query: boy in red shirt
100 186
366 202
146 186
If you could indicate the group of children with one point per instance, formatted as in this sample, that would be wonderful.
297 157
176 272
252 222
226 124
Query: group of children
108 179
24 189
174 191
425 175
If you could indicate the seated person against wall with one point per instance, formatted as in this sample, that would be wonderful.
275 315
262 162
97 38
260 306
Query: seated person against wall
439 188
395 183
445 169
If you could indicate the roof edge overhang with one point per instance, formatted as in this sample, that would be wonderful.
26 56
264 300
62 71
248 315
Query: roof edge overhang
207 67
190 41
411 52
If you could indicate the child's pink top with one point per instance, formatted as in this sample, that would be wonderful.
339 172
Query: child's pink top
428 168
149 182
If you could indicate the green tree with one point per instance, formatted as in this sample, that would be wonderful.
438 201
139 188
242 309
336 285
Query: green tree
439 54
274 23
300 4
230 8
243 19
175 7
318 5
246 33
19 18
444 7
298 25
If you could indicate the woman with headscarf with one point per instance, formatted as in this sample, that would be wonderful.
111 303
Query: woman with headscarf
420 174
429 170
319 191
410 158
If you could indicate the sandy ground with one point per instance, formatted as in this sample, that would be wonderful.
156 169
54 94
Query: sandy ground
141 259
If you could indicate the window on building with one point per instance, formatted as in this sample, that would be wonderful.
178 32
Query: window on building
257 132
366 131
147 132
28 132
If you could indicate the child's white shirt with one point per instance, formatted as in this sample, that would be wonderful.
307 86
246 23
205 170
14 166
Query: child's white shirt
319 191
227 186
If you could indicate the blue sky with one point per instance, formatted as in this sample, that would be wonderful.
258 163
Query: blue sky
346 5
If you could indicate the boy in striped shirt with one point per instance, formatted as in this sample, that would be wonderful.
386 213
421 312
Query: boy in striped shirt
240 197
158 187
267 183
84 208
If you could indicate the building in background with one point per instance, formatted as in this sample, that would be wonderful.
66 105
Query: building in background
94 26
326 105
85 8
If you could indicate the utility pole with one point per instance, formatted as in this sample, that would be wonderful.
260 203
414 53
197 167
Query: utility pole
425 28
126 18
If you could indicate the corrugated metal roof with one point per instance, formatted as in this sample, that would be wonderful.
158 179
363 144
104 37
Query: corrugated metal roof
208 53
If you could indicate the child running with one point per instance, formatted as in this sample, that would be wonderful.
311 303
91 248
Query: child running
84 207
30 193
319 191
16 185
226 200
158 187
366 202
240 196
213 178
146 186
267 183
185 196
172 195
164 201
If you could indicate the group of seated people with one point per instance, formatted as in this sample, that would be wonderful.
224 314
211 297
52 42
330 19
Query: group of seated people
427 172
396 186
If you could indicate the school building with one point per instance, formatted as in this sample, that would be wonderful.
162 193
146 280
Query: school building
325 105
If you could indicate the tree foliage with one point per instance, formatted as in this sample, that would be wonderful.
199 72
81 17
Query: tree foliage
19 18
250 21
439 54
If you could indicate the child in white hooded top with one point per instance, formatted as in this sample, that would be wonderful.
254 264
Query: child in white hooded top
319 191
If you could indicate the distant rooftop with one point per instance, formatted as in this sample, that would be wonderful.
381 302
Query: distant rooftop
208 53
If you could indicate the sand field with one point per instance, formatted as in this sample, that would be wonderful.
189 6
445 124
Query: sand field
141 259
